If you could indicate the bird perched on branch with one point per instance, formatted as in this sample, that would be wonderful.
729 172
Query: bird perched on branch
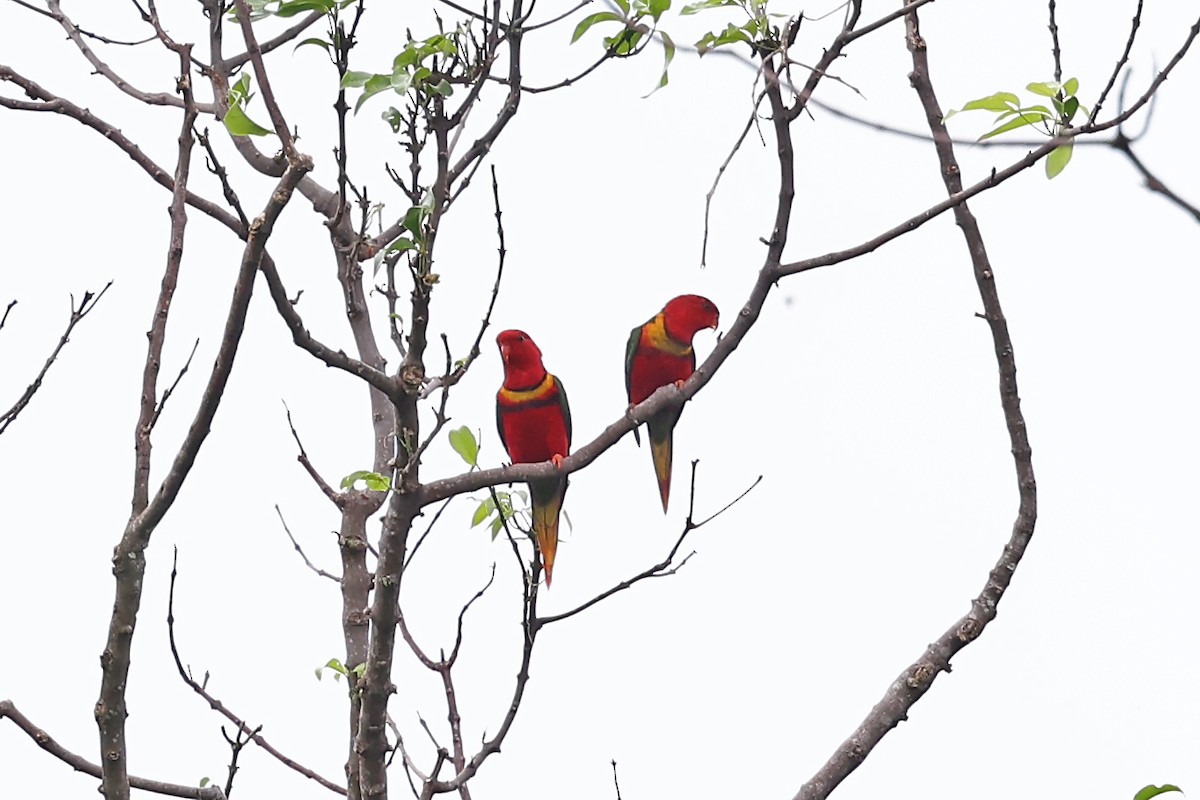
534 421
660 353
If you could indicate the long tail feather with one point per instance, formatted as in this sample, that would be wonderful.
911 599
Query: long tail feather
660 450
547 503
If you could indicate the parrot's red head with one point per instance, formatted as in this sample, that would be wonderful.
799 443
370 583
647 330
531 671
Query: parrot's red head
522 359
688 313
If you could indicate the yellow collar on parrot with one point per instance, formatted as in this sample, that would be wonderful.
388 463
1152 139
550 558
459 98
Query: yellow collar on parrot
520 395
654 334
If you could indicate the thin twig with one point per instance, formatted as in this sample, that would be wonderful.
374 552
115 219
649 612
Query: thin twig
170 389
663 568
7 309
218 706
236 744
1124 59
1055 50
300 550
336 497
454 377
77 314
737 145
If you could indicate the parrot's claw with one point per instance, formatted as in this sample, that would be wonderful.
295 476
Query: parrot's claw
557 459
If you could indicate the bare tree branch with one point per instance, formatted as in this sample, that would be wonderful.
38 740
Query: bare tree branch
1121 62
663 568
81 764
916 680
216 705
1124 145
300 550
77 314
102 68
158 409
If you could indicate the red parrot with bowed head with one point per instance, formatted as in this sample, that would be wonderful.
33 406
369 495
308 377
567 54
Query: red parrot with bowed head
535 425
660 353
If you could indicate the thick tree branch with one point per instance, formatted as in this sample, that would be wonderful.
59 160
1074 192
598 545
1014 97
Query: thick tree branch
129 561
264 81
103 69
44 101
81 764
918 677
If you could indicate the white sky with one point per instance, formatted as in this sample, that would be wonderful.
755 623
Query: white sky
866 397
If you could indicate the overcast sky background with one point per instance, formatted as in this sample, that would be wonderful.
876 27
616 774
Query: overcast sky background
866 397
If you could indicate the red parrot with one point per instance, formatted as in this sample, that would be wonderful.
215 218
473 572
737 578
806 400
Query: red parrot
659 353
534 421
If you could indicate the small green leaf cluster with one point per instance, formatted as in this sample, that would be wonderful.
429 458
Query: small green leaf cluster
236 120
1051 121
409 71
374 481
634 32
503 511
467 446
339 669
1146 792
758 31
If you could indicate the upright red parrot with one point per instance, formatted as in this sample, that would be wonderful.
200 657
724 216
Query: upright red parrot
535 425
659 353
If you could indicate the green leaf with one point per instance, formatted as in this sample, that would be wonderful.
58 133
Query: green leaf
624 4
1012 124
401 245
695 8
463 442
239 124
412 222
402 82
668 54
393 118
1045 88
442 87
317 40
485 509
204 782
1071 87
625 42
658 7
240 90
1146 792
731 35
1000 101
1058 159
1069 108
497 526
354 79
1045 112
590 20
374 481
374 85
294 7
